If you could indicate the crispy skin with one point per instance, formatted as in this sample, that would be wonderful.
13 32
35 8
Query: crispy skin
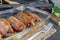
24 18
16 24
33 16
5 27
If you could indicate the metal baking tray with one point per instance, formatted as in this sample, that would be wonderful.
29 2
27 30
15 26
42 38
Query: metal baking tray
42 14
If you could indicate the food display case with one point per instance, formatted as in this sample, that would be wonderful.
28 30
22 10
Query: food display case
44 15
42 8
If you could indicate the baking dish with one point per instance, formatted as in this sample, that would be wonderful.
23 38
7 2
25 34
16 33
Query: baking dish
42 14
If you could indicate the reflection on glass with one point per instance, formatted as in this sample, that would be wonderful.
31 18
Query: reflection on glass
0 1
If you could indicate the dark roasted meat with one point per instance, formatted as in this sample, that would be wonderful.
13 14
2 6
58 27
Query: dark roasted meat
33 16
16 24
5 27
24 18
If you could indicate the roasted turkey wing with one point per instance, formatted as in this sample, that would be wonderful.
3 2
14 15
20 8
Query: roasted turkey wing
24 18
5 27
33 16
16 24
